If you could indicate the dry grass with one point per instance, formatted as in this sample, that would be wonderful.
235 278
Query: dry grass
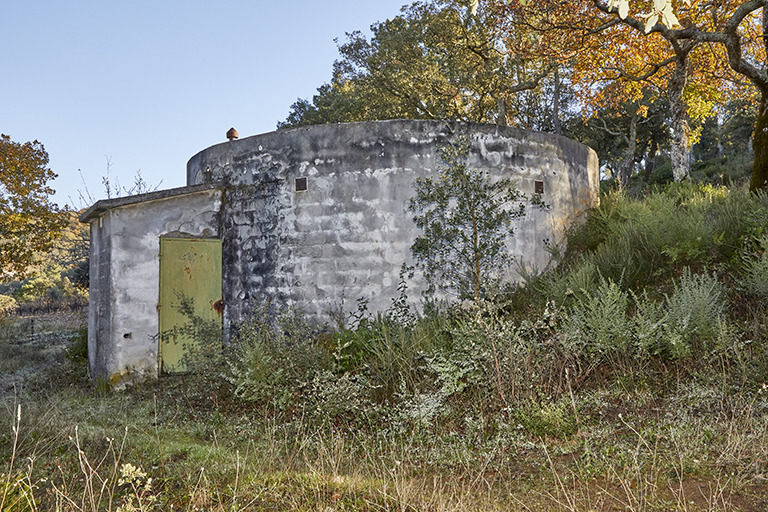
30 347
688 444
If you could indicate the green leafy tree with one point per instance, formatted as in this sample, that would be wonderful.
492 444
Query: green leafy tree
626 134
729 133
434 61
29 221
337 102
709 146
738 125
47 281
466 218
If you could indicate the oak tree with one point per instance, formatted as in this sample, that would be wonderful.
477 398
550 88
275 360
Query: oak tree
29 221
694 73
737 27
613 61
434 61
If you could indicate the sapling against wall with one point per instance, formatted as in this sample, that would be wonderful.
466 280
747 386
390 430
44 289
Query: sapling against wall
466 217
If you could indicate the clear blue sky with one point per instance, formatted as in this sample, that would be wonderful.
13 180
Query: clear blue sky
150 83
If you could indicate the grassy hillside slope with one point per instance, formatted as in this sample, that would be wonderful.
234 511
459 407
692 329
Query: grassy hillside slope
634 377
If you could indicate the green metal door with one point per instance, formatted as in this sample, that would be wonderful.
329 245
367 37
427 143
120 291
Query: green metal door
190 286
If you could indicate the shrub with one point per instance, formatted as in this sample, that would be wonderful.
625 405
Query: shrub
691 320
730 223
495 361
390 348
662 174
754 277
77 354
647 241
271 361
724 170
597 327
694 312
649 325
7 305
466 218
548 419
344 398
581 279
756 217
202 357
48 282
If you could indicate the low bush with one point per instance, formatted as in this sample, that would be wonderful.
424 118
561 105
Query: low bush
272 361
694 312
645 242
7 305
548 418
622 328
597 329
754 277
732 169
77 354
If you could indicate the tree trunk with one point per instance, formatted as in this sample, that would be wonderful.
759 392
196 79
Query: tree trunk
557 128
760 137
502 106
680 129
760 146
628 166
650 160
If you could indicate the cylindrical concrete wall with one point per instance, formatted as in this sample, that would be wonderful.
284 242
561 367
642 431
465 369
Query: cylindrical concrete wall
317 217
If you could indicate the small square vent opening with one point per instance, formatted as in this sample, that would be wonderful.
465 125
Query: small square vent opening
301 184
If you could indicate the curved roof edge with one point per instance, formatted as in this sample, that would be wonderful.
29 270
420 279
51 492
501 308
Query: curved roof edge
453 125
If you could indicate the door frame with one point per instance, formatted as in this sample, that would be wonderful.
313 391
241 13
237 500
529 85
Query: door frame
209 308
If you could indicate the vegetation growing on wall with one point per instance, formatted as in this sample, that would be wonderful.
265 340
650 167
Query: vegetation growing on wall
466 219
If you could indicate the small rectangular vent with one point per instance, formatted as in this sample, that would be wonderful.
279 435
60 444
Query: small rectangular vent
301 184
538 187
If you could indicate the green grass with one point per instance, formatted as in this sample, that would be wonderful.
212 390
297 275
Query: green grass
692 449
610 384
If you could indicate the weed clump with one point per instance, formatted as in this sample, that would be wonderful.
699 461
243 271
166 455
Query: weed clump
273 360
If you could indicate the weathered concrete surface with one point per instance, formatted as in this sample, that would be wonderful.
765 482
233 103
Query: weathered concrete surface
348 234
124 273
343 238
